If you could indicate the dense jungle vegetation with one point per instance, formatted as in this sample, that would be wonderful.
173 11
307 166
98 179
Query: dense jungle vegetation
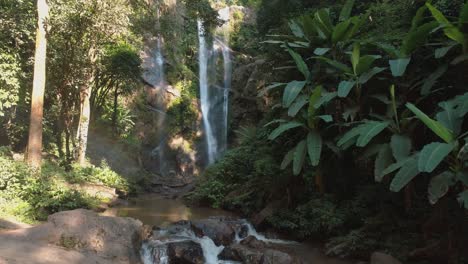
361 140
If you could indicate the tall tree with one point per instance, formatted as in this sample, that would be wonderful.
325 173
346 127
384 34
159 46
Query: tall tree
37 99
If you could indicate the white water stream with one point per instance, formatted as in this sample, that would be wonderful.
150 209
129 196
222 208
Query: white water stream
214 95
155 251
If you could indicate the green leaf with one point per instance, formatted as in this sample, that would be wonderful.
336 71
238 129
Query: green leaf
401 146
299 157
353 133
314 147
432 79
314 98
432 155
326 97
300 63
283 128
463 177
355 55
398 66
297 106
365 63
340 31
369 131
449 118
395 166
326 118
416 38
335 64
269 88
321 51
291 92
296 29
440 185
287 159
435 126
441 52
383 160
344 88
365 77
323 18
463 199
450 30
346 10
463 18
407 173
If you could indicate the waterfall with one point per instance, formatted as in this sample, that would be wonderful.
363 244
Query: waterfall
214 93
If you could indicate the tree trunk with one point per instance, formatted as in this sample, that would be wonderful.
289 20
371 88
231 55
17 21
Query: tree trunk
114 114
37 98
85 108
83 126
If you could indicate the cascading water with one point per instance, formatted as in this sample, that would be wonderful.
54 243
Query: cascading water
156 251
214 94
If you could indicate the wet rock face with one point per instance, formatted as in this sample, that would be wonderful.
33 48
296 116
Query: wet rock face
185 252
221 232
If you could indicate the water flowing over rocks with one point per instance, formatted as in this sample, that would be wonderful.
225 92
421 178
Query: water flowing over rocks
218 239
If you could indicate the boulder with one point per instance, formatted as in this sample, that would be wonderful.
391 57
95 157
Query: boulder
381 258
185 252
219 230
272 256
253 242
113 238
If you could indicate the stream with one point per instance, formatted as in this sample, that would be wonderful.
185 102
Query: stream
162 213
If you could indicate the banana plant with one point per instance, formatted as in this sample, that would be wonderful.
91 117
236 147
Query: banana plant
447 126
311 144
455 32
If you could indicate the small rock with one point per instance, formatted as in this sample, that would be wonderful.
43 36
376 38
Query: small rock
381 258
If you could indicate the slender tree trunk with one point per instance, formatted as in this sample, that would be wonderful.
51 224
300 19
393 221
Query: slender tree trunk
114 114
37 99
83 127
85 113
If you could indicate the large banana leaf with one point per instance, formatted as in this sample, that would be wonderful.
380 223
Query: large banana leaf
398 66
449 118
299 157
339 32
365 63
325 98
365 133
287 159
300 102
450 30
345 87
314 147
463 199
443 132
432 79
383 160
346 10
369 131
401 146
416 38
292 90
300 63
283 128
432 155
406 174
439 186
